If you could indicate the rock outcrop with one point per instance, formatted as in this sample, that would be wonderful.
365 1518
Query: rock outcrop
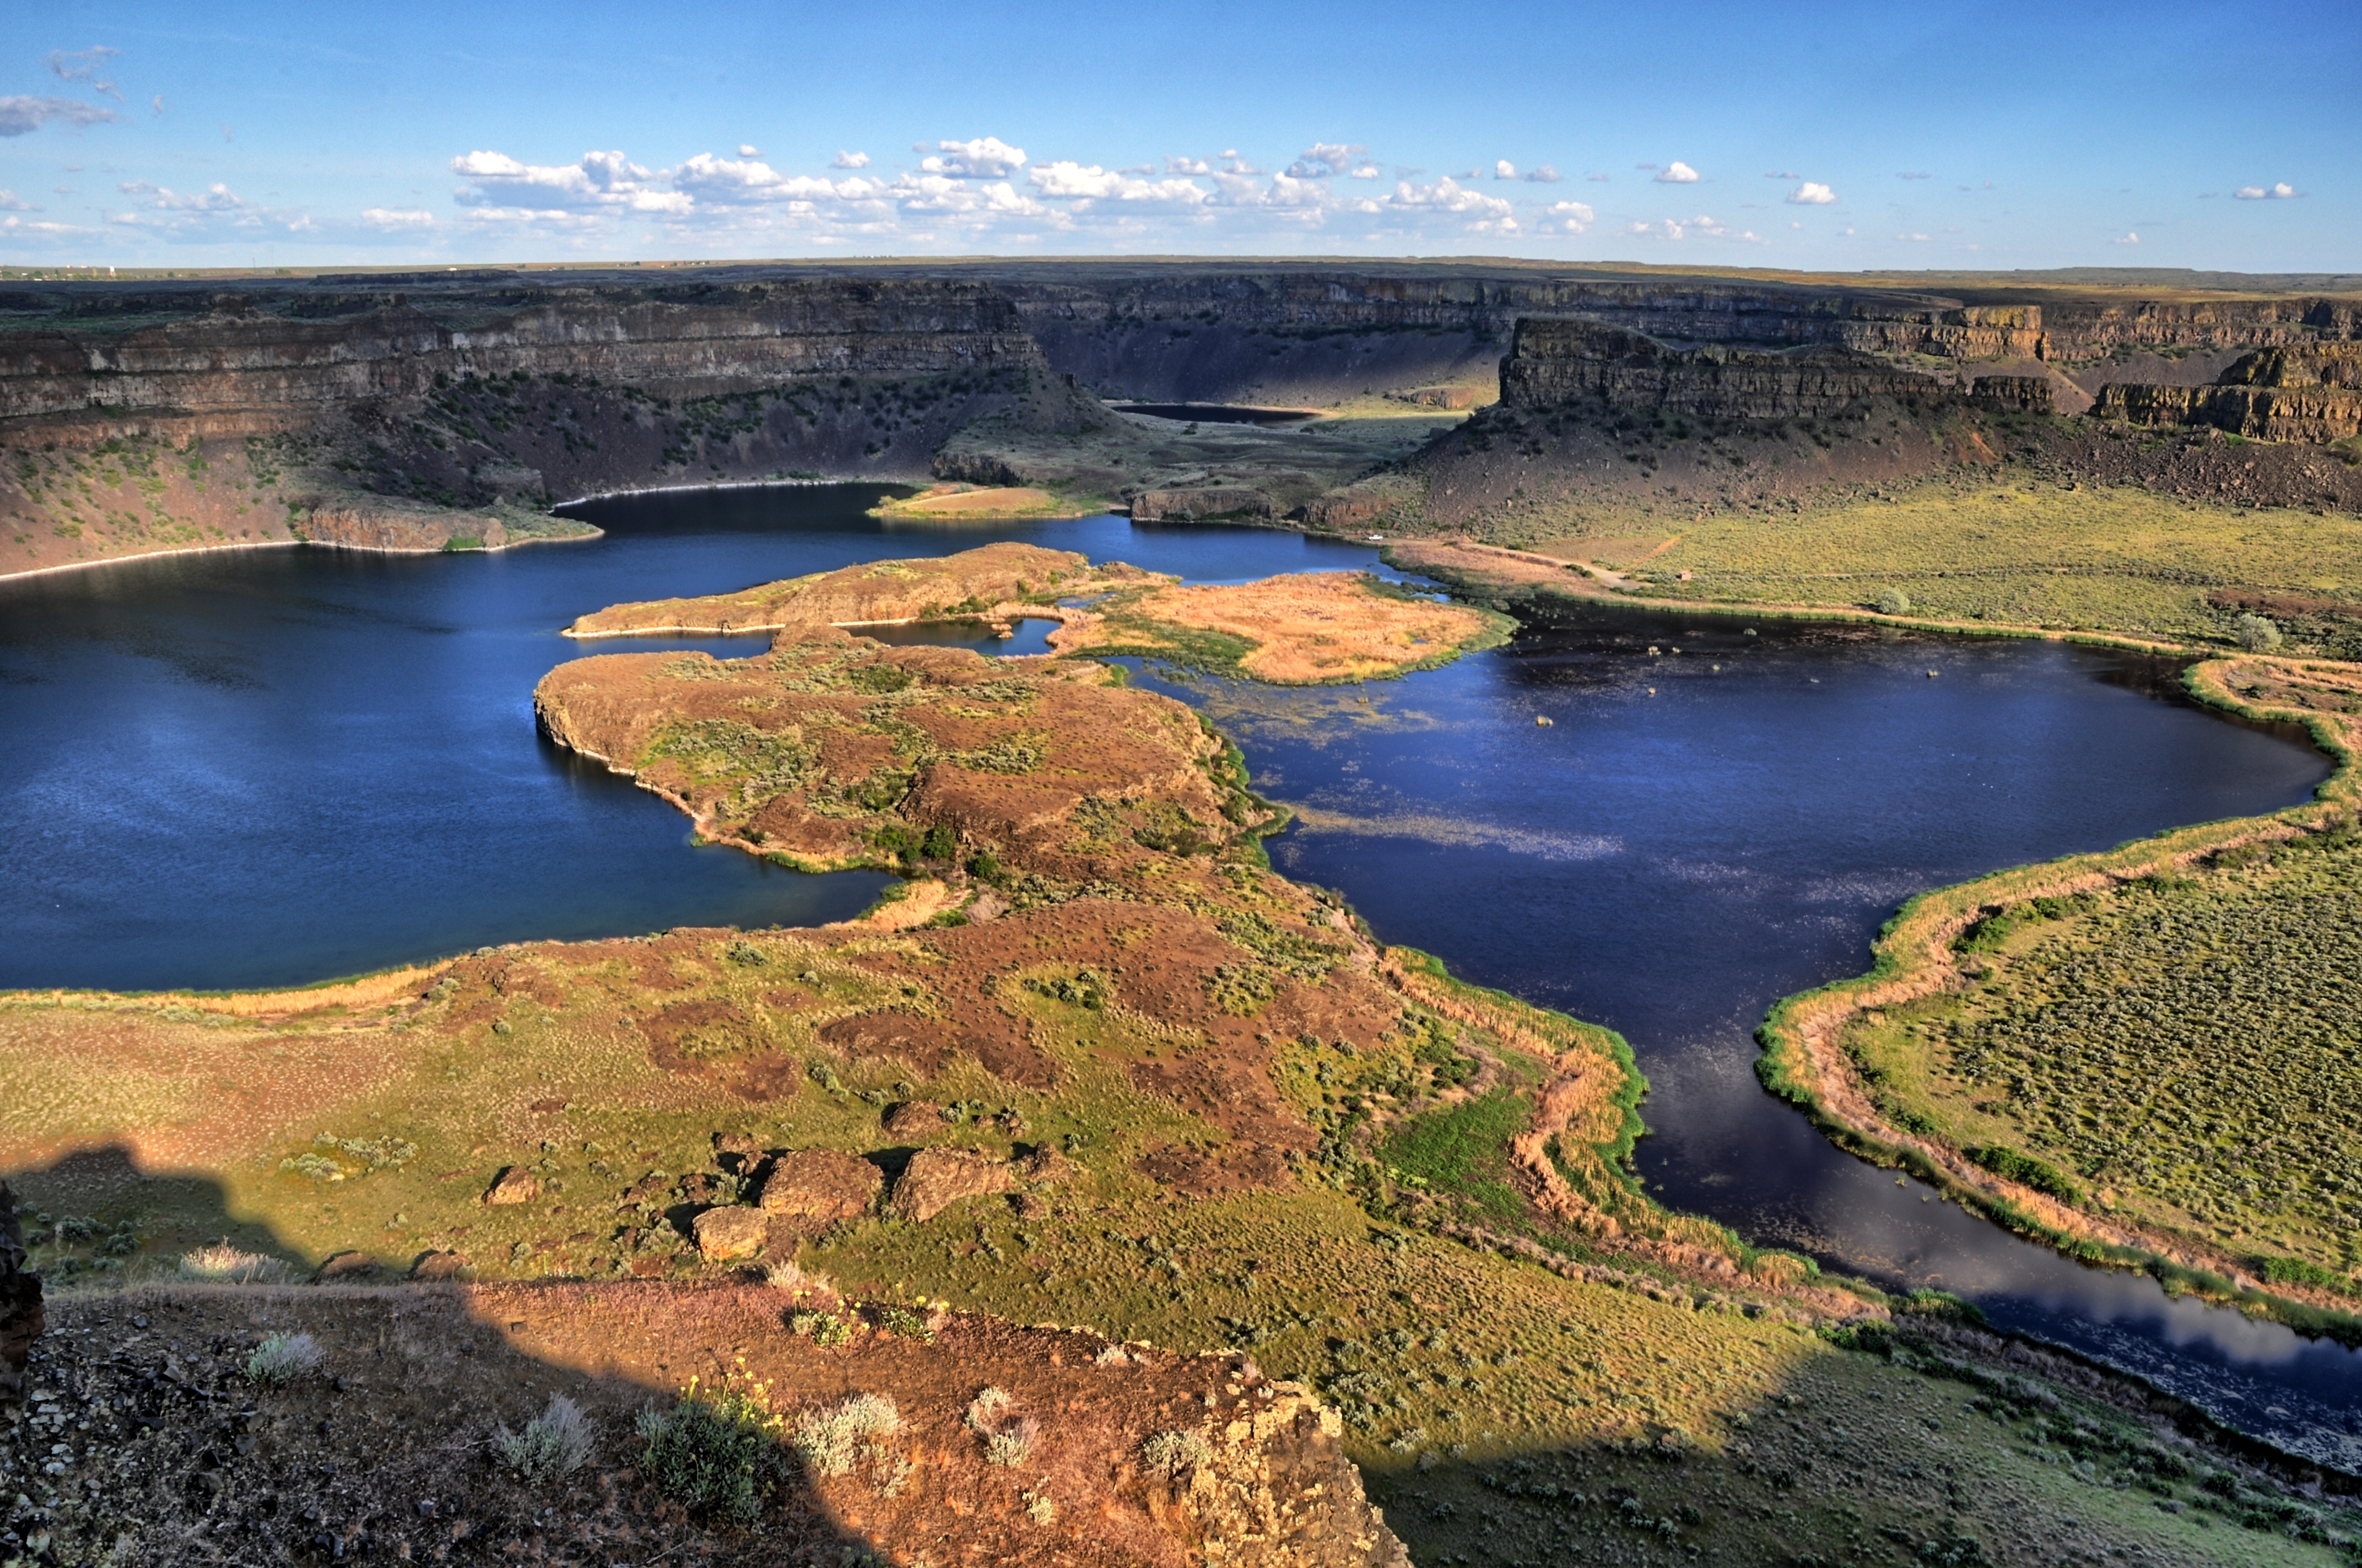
1554 363
241 358
1200 505
820 1184
2276 394
937 1179
21 1318
727 1234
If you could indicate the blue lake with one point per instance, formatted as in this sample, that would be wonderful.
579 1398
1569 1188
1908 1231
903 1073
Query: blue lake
275 767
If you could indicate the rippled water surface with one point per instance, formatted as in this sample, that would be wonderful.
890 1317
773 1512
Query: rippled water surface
264 768
275 767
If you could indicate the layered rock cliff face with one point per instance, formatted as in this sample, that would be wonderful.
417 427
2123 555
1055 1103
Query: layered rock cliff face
2311 393
1554 363
358 410
239 359
134 422
1279 333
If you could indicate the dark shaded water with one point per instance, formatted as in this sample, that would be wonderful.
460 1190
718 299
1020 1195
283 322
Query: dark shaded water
280 766
1217 412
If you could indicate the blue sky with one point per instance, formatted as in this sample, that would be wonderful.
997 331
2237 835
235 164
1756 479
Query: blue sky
1838 137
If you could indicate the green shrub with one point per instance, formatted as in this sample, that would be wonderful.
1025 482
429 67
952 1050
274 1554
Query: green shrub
1895 601
905 1324
282 1358
1173 1455
825 1330
1008 1436
2026 1171
2256 633
716 1451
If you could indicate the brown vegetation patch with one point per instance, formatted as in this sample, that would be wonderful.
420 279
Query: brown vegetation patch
921 1041
1309 628
982 504
1202 1173
875 593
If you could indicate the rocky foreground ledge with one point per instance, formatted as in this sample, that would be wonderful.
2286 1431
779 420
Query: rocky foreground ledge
417 1424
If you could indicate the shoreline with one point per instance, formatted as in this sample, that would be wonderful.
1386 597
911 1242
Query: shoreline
1803 1064
596 533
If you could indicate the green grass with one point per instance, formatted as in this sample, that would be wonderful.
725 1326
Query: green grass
1464 1150
2185 1048
2020 553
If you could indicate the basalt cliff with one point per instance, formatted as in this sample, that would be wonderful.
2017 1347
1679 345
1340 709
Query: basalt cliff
452 409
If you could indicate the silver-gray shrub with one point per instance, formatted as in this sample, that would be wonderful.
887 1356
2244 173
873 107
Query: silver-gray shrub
1173 1455
555 1443
283 1358
830 1441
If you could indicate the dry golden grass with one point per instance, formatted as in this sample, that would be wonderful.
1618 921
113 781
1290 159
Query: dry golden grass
1305 629
985 503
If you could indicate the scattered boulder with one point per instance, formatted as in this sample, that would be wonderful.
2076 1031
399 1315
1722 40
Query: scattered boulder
21 1319
820 1183
435 1266
724 1235
915 1118
351 1267
1044 1163
514 1185
937 1179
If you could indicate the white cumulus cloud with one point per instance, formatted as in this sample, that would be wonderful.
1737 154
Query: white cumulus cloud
1811 194
595 181
1504 169
1070 180
2128 238
1543 174
1323 159
1566 217
396 220
1676 173
1486 214
849 160
1699 227
985 158
2279 192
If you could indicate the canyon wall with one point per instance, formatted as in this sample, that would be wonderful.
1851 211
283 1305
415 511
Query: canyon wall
1554 363
2302 393
238 357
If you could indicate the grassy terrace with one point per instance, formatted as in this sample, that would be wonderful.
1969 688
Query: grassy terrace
2143 1055
2024 553
2176 1049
